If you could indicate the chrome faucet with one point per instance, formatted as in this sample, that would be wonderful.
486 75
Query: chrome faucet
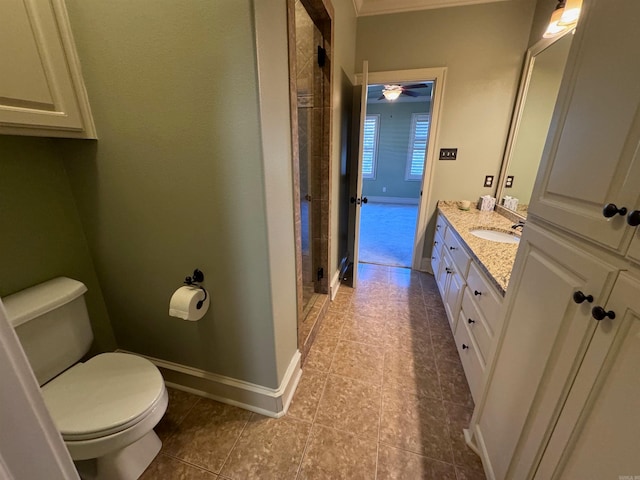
519 225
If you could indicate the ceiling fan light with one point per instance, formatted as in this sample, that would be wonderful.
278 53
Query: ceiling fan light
571 13
392 92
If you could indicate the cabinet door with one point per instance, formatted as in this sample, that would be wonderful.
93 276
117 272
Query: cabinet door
634 249
42 92
598 433
591 155
453 296
544 335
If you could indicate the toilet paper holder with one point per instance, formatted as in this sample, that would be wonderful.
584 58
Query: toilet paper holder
193 281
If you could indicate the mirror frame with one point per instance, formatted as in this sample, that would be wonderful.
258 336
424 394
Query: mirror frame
516 118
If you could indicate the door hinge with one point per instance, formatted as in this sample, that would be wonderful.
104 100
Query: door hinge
322 56
320 273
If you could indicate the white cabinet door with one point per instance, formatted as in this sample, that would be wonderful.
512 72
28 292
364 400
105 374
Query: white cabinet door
41 88
591 155
598 433
634 249
545 333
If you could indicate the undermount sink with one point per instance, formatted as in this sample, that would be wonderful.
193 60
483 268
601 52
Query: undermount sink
495 235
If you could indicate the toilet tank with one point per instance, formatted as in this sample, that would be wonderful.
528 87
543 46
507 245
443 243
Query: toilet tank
52 323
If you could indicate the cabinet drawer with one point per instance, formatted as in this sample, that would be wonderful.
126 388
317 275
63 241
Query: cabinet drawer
441 225
459 255
469 355
485 297
453 295
476 324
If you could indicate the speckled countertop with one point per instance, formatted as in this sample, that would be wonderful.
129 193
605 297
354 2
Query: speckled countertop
496 259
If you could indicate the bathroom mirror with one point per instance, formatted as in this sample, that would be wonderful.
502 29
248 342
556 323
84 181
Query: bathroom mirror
539 86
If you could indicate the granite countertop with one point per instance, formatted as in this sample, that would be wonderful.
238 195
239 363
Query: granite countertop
496 259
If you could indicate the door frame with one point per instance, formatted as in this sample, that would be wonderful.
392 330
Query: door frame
438 76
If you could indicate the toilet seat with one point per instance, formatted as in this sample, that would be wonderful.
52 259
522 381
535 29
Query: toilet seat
105 395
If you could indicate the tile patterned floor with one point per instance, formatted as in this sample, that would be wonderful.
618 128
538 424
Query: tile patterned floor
382 396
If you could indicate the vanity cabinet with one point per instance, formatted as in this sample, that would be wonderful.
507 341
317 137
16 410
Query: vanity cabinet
561 394
591 158
42 92
471 302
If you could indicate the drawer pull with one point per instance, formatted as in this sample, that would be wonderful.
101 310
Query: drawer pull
433 258
600 313
435 243
438 227
471 321
634 218
448 270
580 297
465 346
611 210
452 248
476 293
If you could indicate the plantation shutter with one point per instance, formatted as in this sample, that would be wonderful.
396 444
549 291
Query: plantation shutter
370 146
418 146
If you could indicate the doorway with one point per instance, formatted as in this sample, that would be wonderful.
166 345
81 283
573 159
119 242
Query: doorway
415 159
395 143
310 85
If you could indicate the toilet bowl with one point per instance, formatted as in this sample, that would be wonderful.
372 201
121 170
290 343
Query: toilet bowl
106 407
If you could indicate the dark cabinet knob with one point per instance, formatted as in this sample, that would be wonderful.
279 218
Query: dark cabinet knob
580 297
452 248
366 200
448 270
465 346
600 313
476 293
352 199
438 227
435 243
471 321
611 210
633 218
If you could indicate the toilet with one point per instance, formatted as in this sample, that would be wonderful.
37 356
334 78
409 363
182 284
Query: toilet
106 407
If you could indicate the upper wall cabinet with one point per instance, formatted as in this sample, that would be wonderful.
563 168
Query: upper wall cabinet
591 158
41 88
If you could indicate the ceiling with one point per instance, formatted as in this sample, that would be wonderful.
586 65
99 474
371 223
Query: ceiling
380 7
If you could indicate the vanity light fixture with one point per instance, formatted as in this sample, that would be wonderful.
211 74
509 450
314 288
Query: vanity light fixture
391 92
571 13
554 28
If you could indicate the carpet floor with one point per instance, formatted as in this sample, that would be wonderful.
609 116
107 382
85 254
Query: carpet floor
386 233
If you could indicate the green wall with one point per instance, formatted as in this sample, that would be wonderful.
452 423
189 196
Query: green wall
42 237
176 181
483 47
393 149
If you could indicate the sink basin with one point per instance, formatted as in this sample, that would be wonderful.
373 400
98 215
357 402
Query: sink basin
495 235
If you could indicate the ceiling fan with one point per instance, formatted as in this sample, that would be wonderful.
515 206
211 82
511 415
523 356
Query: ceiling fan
391 92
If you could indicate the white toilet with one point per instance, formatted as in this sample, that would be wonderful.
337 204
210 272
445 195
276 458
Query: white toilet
106 407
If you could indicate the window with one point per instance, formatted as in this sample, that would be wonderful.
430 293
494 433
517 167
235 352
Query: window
417 146
370 146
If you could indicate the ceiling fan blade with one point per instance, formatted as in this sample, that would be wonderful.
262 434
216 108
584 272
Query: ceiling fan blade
415 85
410 93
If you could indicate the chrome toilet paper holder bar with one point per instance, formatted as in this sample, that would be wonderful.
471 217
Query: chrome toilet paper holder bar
193 281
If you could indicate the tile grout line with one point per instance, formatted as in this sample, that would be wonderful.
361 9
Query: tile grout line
244 427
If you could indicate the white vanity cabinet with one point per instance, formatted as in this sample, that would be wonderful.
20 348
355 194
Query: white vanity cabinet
591 158
561 394
470 300
42 92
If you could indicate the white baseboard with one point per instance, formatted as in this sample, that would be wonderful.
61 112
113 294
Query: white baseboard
255 398
335 284
398 200
480 445
425 266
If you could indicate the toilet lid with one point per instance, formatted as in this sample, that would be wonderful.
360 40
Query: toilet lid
102 396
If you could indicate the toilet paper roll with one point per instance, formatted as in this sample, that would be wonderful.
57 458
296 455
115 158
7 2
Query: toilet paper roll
184 303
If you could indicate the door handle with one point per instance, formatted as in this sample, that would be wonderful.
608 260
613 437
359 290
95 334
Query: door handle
359 201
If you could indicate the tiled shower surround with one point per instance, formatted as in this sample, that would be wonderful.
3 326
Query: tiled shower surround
382 396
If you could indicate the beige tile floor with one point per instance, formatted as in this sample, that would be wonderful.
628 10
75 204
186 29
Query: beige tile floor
382 396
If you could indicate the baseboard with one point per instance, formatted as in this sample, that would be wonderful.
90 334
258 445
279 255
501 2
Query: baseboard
255 398
395 200
335 284
425 266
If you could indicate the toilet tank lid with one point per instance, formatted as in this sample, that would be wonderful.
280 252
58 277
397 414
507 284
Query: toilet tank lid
34 301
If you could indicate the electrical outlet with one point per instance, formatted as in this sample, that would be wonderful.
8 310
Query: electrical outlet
508 182
448 153
488 181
